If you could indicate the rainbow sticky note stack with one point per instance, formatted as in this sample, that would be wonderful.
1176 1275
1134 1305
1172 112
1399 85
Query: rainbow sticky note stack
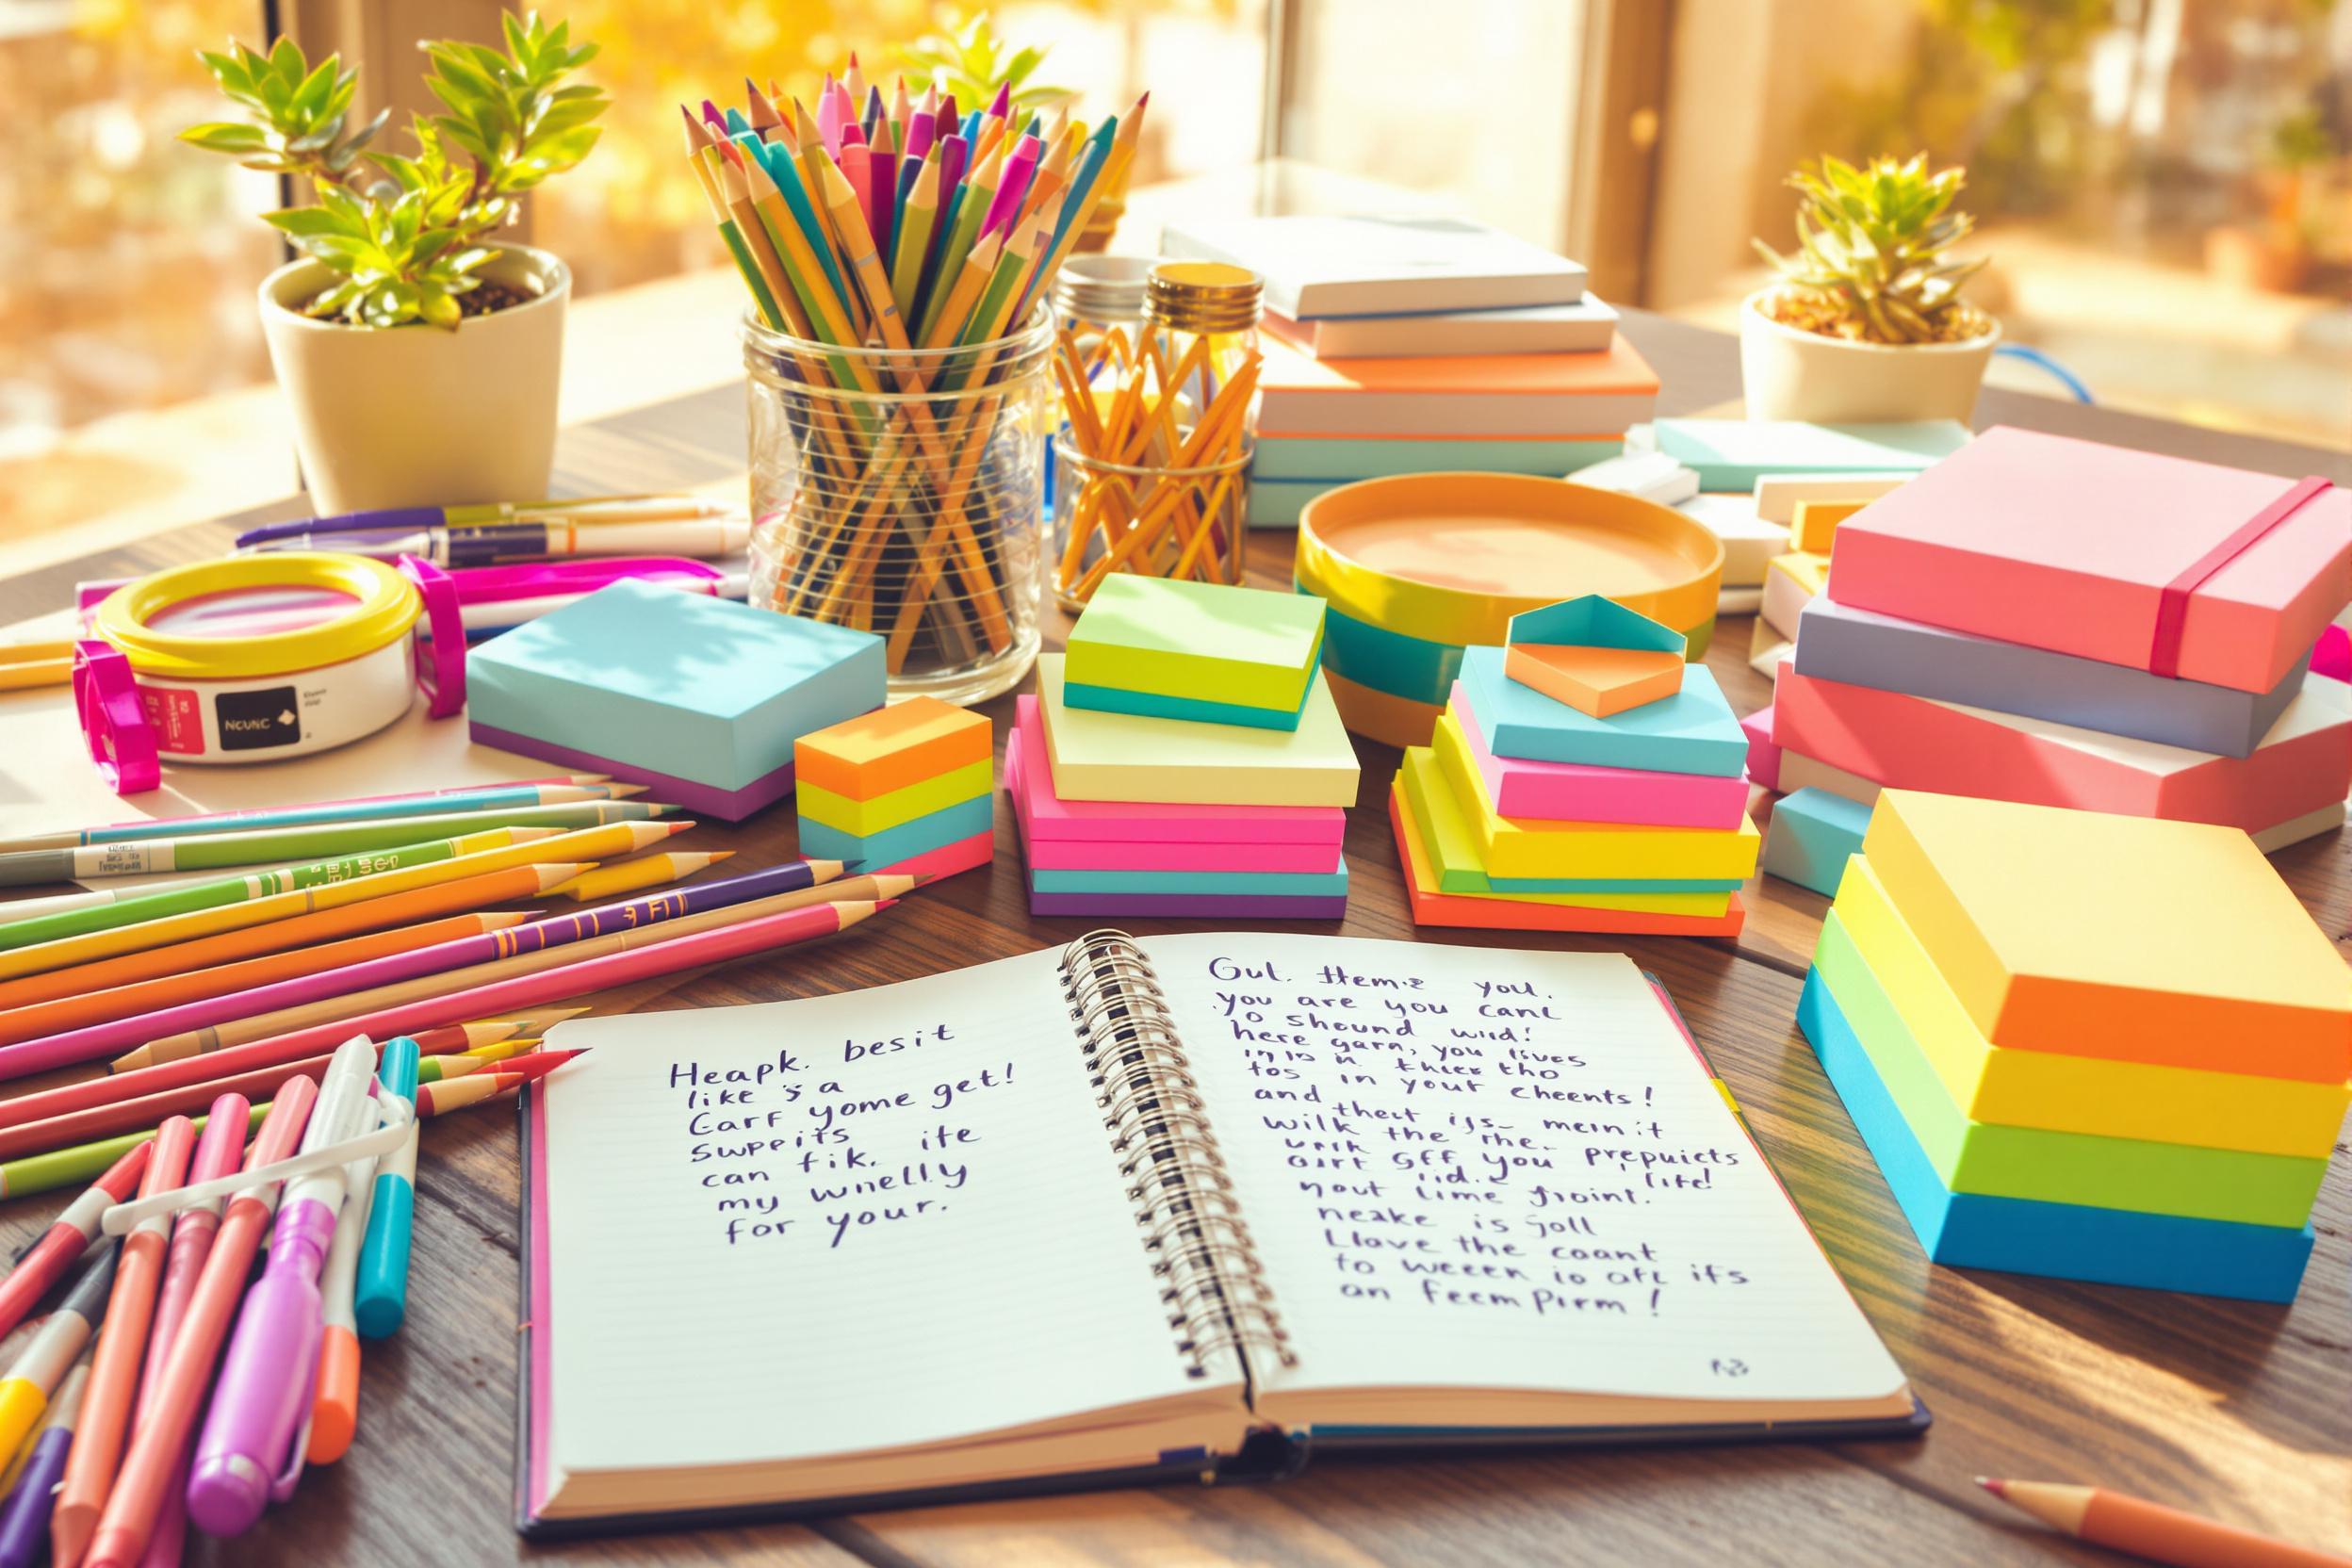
2051 621
908 788
1129 814
1174 649
1529 813
2096 1047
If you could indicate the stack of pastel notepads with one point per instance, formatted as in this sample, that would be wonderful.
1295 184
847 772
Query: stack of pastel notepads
1571 789
908 787
1183 759
1421 344
2097 1047
2052 621
1750 482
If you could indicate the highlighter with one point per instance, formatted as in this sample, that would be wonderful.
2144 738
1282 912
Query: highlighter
380 1300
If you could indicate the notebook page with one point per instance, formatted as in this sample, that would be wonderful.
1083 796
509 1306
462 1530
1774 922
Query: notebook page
881 1217
1474 1168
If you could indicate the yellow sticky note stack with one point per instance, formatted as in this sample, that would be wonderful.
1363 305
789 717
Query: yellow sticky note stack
2097 1047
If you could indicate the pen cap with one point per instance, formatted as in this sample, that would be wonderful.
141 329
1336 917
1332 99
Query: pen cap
380 1300
258 1402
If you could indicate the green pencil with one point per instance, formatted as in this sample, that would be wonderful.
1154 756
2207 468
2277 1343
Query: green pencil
143 857
914 237
85 1162
238 889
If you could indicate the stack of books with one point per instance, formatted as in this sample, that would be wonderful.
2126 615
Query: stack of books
908 787
1421 344
2055 622
1183 759
2090 1046
1533 811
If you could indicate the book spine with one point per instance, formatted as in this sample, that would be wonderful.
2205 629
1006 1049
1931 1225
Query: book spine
1212 1282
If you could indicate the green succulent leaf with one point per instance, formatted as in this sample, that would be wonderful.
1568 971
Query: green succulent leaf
1873 241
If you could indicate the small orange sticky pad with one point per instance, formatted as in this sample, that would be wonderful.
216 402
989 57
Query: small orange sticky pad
1816 523
892 748
1599 681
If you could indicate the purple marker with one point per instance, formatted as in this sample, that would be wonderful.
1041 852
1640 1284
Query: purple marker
251 1448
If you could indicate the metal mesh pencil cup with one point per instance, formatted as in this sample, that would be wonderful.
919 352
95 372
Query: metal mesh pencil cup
902 493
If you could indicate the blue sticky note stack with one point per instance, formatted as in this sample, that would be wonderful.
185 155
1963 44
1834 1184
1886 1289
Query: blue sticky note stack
1692 732
1732 455
699 698
1813 832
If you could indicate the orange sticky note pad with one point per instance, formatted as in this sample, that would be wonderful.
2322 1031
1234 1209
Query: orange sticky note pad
892 747
1594 655
1816 523
1599 681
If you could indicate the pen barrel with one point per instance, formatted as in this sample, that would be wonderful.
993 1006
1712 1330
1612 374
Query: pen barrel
264 1387
24 1518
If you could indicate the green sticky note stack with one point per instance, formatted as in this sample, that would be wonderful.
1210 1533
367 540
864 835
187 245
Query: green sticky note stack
1197 651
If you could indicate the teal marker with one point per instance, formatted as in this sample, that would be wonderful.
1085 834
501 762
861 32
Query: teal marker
380 1300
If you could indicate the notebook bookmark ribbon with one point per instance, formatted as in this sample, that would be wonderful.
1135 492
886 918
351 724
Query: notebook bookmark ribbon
2172 607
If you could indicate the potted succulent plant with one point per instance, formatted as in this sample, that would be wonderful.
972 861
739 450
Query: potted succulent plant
1868 322
421 356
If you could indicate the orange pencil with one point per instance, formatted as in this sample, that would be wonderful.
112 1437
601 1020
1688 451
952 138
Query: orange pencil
171 990
2151 1530
122 1347
471 892
162 1436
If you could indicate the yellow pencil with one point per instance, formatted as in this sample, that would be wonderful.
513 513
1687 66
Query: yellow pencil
646 870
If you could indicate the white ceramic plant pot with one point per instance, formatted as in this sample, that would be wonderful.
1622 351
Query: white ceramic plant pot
421 415
1791 374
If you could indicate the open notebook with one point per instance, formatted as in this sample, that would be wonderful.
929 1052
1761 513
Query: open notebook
1185 1205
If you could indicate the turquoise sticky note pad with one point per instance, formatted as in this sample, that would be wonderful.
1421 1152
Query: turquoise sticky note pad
1692 732
2022 1236
1731 454
697 688
1813 832
872 851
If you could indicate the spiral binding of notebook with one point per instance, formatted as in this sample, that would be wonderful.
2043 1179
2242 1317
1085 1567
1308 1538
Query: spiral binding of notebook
1213 1284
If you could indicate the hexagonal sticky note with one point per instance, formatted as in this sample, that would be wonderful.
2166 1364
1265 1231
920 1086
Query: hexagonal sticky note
1594 655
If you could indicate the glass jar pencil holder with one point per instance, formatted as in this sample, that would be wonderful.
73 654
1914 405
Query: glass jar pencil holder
902 492
1156 521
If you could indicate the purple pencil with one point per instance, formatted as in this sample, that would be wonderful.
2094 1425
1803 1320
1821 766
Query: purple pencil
98 1040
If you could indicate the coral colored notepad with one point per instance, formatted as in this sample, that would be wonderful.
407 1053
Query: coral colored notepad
1520 395
948 1239
2070 545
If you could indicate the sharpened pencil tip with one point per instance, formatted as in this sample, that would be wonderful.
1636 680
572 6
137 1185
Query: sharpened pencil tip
923 876
1996 1487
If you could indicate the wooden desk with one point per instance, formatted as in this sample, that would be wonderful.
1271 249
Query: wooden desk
2239 1410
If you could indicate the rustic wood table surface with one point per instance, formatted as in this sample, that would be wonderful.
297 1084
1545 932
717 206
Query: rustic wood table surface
2237 1410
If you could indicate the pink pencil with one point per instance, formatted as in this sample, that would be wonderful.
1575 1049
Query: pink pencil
1013 185
589 975
94 1041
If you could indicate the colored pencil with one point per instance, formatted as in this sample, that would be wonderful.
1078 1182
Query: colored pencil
44 1263
206 1025
620 838
160 1438
457 1063
2168 1535
114 1367
149 857
109 1117
114 892
169 990
470 798
70 1117
290 933
554 943
222 891
80 1162
646 870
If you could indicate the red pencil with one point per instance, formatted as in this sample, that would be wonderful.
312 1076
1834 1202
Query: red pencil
48 1259
58 1118
95 1115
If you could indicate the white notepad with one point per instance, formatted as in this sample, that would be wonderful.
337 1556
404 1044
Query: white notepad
1138 1208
